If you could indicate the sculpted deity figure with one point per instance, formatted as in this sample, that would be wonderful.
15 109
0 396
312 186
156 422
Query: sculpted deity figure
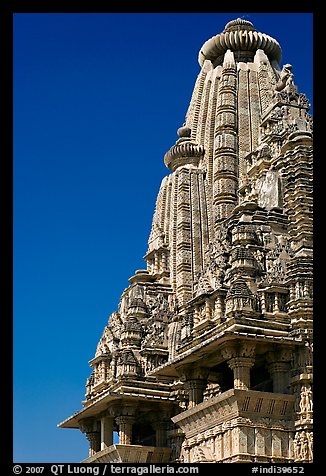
310 445
300 446
306 404
304 447
297 447
269 193
286 78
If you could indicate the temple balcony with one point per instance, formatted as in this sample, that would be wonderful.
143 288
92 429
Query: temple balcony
131 454
239 426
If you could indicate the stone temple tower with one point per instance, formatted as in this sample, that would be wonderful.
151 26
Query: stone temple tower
209 355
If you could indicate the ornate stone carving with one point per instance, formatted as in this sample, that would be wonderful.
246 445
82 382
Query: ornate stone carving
303 446
277 258
269 191
203 454
127 365
306 402
216 260
286 78
240 300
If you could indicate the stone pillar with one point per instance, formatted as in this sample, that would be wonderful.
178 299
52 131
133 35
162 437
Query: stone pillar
106 432
241 371
195 389
240 358
280 375
196 315
125 423
195 382
218 308
90 426
279 368
263 302
94 442
208 308
160 428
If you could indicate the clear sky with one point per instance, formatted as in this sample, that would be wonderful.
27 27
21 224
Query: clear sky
97 102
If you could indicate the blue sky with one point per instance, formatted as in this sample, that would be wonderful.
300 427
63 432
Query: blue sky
97 102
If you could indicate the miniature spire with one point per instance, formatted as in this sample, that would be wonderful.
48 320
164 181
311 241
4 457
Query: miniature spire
185 151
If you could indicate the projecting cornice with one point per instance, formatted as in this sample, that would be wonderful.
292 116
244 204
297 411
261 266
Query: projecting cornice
239 36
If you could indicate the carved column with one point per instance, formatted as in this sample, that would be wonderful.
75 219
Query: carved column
240 359
125 423
195 382
263 302
280 375
279 369
160 428
90 426
196 315
208 308
241 371
94 442
195 389
218 308
106 432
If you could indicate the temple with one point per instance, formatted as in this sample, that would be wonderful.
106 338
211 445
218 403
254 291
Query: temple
209 355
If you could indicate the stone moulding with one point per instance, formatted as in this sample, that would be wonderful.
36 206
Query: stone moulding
232 404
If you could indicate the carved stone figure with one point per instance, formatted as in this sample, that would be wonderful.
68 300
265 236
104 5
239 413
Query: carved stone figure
306 402
264 152
269 193
286 78
310 445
